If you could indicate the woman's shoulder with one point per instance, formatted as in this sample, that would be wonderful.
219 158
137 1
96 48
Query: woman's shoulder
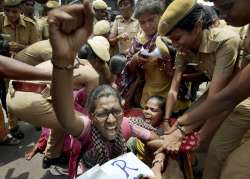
220 34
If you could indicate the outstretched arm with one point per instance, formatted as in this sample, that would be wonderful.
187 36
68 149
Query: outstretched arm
235 92
69 28
14 69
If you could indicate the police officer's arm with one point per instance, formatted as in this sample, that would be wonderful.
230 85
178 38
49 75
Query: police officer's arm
225 60
86 77
113 37
70 26
235 92
173 93
107 75
14 69
15 47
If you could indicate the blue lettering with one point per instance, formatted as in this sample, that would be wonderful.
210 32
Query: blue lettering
123 165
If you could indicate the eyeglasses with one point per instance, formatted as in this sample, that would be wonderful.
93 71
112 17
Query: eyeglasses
117 113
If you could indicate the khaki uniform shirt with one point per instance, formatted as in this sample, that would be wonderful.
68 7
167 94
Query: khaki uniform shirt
36 53
121 26
217 53
25 32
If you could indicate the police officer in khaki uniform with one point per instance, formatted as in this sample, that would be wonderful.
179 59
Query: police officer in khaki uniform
22 30
92 50
42 22
100 7
28 9
213 51
125 26
102 28
35 106
36 53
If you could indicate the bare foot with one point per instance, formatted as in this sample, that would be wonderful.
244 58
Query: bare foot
30 153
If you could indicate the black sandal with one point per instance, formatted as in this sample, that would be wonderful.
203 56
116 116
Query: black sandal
9 140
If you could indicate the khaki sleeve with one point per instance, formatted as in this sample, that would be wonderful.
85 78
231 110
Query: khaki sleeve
226 56
180 61
85 76
114 29
23 56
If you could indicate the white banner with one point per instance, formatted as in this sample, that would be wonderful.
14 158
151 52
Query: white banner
126 166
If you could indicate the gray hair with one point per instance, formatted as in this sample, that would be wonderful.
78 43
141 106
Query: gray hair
153 6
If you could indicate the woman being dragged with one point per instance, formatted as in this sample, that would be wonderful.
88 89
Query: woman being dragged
152 118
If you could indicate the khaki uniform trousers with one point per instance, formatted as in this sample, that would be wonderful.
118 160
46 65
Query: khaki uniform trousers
37 109
228 157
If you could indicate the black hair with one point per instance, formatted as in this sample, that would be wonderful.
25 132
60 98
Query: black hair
210 15
117 63
154 6
197 14
161 100
101 91
86 52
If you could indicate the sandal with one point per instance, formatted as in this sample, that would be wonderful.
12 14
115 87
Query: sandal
17 133
9 140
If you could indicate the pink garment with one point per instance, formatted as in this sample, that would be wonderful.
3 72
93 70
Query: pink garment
71 145
80 99
43 139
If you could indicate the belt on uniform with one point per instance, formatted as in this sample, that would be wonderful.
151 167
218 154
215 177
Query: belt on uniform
28 86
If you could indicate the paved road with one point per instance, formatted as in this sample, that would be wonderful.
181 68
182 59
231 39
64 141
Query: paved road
13 164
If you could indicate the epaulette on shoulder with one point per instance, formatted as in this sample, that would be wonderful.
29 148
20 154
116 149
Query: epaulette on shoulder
27 19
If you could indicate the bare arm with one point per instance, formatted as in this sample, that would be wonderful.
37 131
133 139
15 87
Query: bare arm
14 69
225 60
173 93
113 37
227 98
70 26
154 144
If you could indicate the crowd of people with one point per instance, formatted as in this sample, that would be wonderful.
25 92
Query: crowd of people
100 87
